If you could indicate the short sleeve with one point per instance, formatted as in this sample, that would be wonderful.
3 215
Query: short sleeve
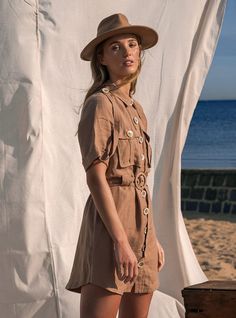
95 130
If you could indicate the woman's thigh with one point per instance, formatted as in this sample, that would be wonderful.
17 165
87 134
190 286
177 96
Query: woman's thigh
97 302
135 305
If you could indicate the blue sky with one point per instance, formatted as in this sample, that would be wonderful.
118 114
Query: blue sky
221 79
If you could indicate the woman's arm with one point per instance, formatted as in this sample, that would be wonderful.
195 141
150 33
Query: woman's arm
126 260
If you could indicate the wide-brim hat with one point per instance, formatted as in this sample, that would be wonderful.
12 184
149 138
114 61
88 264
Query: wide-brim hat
118 24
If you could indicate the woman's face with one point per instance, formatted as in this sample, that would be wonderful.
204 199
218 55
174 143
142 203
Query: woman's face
121 56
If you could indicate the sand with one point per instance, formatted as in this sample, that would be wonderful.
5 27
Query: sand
214 242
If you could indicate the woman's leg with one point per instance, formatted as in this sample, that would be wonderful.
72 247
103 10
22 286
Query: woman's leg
97 302
135 305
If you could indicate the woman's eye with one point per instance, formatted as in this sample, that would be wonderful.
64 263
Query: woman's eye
133 44
115 47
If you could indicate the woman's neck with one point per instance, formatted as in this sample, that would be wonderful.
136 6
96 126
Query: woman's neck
125 88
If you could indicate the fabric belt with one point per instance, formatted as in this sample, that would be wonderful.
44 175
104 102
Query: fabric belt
139 180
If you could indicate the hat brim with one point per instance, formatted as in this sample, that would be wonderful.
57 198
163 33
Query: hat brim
148 36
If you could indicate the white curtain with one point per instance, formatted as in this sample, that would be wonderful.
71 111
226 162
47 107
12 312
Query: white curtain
42 181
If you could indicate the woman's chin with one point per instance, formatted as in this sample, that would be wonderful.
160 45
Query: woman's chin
123 75
128 72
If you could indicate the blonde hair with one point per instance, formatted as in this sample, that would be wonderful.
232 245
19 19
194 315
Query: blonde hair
100 73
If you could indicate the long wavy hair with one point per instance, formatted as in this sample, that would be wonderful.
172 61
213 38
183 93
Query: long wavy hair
100 74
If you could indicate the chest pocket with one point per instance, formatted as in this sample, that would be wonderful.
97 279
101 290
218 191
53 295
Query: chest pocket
127 149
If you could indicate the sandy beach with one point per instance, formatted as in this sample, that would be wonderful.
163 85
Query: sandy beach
214 241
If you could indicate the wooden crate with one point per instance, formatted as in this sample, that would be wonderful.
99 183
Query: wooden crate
211 299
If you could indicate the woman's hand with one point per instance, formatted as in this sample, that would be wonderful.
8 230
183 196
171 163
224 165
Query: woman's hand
126 261
161 256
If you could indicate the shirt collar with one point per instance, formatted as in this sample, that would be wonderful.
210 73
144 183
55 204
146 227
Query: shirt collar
118 93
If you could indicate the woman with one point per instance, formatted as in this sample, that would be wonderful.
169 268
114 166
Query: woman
118 255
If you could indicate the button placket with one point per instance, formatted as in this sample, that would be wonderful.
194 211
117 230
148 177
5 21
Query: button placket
145 212
140 183
140 139
143 249
133 117
143 193
135 120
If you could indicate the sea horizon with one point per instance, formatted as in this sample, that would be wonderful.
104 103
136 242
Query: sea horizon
211 139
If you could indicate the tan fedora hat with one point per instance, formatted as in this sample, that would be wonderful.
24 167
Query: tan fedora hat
118 24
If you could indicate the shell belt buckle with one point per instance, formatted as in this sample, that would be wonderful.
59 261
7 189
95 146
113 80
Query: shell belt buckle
140 180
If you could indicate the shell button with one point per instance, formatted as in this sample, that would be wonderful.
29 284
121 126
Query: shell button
145 230
146 211
105 90
140 139
140 263
142 156
135 120
143 193
130 133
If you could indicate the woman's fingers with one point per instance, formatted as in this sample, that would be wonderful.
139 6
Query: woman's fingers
135 272
126 261
126 269
120 271
129 272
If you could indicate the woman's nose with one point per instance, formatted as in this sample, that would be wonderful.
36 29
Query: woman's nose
126 51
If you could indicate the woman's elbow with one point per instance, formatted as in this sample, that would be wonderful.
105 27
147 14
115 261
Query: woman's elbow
96 174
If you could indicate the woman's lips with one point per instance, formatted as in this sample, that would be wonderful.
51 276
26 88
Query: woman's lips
128 63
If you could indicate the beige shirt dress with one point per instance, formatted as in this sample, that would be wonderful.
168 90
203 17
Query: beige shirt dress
114 130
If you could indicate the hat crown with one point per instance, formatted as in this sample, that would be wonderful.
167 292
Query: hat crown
117 24
112 22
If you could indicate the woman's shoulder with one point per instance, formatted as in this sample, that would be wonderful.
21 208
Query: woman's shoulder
97 104
97 97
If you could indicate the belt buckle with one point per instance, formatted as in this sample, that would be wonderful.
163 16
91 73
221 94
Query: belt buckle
140 180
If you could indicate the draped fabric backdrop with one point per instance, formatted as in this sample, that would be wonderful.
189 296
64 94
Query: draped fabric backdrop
42 181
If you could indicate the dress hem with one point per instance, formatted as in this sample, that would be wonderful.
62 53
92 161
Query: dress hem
77 289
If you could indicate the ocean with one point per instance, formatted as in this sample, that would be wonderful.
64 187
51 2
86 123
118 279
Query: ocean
211 139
